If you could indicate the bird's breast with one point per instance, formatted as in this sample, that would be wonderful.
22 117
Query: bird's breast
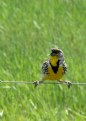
54 76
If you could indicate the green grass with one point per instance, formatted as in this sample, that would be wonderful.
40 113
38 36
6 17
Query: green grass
28 29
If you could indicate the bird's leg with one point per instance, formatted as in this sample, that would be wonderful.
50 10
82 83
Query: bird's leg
36 83
69 84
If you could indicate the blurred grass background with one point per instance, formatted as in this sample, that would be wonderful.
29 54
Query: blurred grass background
28 29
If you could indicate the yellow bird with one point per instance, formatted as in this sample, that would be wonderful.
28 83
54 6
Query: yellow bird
54 68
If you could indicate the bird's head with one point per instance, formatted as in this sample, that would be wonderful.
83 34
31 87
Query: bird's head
55 55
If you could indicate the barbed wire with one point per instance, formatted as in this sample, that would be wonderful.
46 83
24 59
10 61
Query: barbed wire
45 82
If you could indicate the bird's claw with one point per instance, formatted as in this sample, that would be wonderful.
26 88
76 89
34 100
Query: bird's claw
36 83
69 84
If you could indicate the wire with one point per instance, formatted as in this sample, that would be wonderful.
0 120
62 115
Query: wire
47 82
17 82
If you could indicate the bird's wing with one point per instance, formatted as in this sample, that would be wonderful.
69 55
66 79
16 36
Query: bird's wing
63 64
45 67
65 67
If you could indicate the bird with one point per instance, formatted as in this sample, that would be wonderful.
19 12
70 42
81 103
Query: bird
54 67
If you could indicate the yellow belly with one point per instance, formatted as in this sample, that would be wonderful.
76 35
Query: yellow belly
54 76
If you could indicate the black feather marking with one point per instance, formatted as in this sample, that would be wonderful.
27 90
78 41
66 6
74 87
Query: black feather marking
55 68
